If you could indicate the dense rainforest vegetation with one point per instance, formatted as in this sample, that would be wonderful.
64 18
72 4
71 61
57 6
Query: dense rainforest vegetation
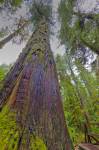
50 102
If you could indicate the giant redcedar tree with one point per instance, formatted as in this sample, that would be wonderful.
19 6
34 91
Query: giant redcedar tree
32 116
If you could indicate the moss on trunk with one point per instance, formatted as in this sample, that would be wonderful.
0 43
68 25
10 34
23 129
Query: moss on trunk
37 99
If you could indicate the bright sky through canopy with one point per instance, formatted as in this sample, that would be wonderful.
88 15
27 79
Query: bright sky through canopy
11 51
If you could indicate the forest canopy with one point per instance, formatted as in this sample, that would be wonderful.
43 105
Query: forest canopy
49 74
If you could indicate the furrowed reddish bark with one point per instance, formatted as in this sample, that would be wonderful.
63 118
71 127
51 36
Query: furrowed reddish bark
37 99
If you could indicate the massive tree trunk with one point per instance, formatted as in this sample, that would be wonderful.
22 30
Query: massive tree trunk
35 97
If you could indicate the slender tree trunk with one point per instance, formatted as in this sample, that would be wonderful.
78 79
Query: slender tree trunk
97 67
12 35
84 78
81 99
36 96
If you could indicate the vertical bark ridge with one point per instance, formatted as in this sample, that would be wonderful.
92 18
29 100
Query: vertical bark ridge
11 78
37 101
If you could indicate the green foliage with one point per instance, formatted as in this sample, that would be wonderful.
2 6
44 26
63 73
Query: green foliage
2 33
16 3
86 88
89 80
91 35
12 3
77 28
77 137
2 74
67 35
40 11
37 144
3 71
1 1
8 130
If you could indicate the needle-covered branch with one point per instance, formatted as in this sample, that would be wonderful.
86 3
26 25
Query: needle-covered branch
12 35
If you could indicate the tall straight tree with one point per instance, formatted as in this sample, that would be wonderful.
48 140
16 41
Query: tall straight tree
80 97
30 97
